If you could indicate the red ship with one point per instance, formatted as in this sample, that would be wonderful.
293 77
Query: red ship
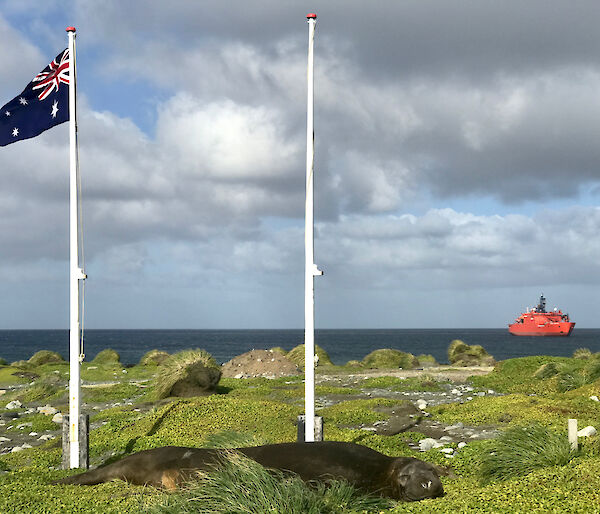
538 322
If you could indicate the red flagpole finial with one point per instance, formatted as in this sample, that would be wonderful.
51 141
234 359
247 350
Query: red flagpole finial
311 15
71 29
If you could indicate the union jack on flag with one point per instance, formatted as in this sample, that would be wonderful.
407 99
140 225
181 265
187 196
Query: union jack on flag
43 103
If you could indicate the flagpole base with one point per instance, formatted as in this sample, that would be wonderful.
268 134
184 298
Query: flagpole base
302 428
84 442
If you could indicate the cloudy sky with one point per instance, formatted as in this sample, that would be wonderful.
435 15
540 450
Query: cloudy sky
456 173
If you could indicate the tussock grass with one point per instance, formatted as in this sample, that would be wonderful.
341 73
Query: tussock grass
196 366
244 486
107 356
154 358
389 358
520 450
582 353
296 355
45 357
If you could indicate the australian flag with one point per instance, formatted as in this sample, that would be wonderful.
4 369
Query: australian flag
42 104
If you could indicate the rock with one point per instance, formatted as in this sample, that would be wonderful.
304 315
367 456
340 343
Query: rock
447 450
587 432
33 434
57 418
46 437
47 410
594 398
4 440
428 443
421 404
462 444
15 404
455 391
19 448
272 364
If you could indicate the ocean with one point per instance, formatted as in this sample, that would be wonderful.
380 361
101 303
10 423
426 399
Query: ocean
341 345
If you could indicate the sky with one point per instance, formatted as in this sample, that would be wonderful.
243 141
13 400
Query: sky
457 163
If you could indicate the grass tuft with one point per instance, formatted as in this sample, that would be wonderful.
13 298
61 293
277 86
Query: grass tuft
242 485
520 450
190 370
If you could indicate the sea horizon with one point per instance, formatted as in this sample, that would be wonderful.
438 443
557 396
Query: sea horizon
342 345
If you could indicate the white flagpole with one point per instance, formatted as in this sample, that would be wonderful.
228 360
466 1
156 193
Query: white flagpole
310 268
76 273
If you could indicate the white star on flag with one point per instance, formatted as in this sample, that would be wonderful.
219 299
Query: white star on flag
7 113
54 109
23 101
15 132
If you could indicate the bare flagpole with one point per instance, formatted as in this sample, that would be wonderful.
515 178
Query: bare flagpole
76 273
310 269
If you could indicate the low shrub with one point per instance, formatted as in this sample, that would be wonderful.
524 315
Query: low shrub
520 450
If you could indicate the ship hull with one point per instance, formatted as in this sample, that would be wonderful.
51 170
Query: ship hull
563 329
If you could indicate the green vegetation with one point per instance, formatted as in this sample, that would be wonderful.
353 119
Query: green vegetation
154 358
187 373
424 383
244 486
296 355
107 356
388 358
522 449
462 354
528 468
45 357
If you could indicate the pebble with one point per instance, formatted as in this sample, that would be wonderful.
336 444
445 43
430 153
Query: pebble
421 404
15 404
19 448
4 440
462 444
594 398
57 418
447 450
46 437
47 410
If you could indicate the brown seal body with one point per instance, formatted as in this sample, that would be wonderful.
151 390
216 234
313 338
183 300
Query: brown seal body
401 478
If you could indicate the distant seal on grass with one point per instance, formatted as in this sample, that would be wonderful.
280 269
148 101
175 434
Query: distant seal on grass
401 478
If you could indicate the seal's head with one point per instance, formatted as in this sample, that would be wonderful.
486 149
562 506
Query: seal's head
413 480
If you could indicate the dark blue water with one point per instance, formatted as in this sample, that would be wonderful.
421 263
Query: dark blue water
341 345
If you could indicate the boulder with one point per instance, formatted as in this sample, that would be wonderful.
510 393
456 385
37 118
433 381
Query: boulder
260 363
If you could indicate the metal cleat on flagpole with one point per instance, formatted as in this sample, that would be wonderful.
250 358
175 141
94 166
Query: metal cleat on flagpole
316 271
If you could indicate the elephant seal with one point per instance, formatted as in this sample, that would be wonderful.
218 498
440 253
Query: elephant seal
400 478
